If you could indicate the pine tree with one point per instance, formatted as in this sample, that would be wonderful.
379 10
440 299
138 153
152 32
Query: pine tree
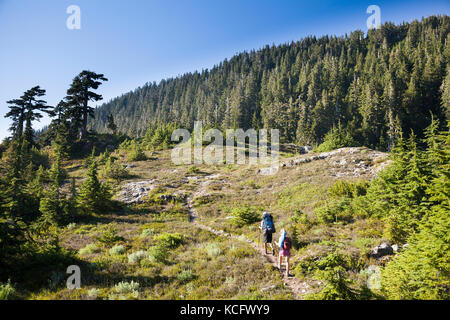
17 115
422 271
33 108
52 203
78 97
111 125
93 197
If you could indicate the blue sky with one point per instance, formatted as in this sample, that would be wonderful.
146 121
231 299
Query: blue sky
137 41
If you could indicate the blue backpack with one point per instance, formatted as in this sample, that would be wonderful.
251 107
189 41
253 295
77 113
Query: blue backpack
268 224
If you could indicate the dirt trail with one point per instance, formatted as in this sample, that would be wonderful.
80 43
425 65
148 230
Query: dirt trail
297 287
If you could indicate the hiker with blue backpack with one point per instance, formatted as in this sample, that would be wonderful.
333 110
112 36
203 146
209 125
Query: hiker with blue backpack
285 245
268 228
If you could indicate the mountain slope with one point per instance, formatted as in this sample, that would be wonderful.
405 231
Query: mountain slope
374 85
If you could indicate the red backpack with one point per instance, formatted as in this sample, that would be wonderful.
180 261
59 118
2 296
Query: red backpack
287 244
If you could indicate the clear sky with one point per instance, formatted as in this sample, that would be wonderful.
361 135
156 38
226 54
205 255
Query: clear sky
137 41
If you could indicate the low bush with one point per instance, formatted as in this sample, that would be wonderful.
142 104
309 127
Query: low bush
245 215
136 257
158 253
117 250
7 291
213 250
335 211
89 249
186 276
169 240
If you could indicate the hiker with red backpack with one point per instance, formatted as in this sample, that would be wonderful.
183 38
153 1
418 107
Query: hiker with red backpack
285 245
268 228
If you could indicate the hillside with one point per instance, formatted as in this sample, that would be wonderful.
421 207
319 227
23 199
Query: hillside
373 85
214 255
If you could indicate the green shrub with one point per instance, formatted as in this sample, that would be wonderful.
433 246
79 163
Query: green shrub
245 215
114 170
136 153
7 291
89 249
126 288
335 139
136 257
335 211
94 197
117 250
169 240
337 285
147 233
158 253
213 250
341 188
241 252
186 276
193 170
422 271
109 237
93 293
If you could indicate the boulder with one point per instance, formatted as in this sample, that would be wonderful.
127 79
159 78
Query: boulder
382 250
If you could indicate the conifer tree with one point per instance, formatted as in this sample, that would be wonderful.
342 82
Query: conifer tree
94 197
111 125
78 97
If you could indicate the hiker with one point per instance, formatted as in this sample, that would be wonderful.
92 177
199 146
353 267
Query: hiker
268 228
285 245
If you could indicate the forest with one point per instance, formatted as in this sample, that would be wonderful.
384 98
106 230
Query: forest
364 88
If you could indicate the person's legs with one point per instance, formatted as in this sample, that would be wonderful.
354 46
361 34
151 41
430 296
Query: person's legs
279 261
287 266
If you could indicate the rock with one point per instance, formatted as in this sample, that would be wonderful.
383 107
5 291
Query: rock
268 171
382 250
395 247
308 149
269 288
134 192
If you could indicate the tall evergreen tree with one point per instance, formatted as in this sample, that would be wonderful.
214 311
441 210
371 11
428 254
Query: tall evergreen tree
79 95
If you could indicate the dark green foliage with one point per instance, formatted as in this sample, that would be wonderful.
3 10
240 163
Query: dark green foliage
333 270
342 188
422 271
93 196
111 125
245 215
136 153
337 287
114 170
55 208
110 237
169 240
399 194
336 139
78 97
335 211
